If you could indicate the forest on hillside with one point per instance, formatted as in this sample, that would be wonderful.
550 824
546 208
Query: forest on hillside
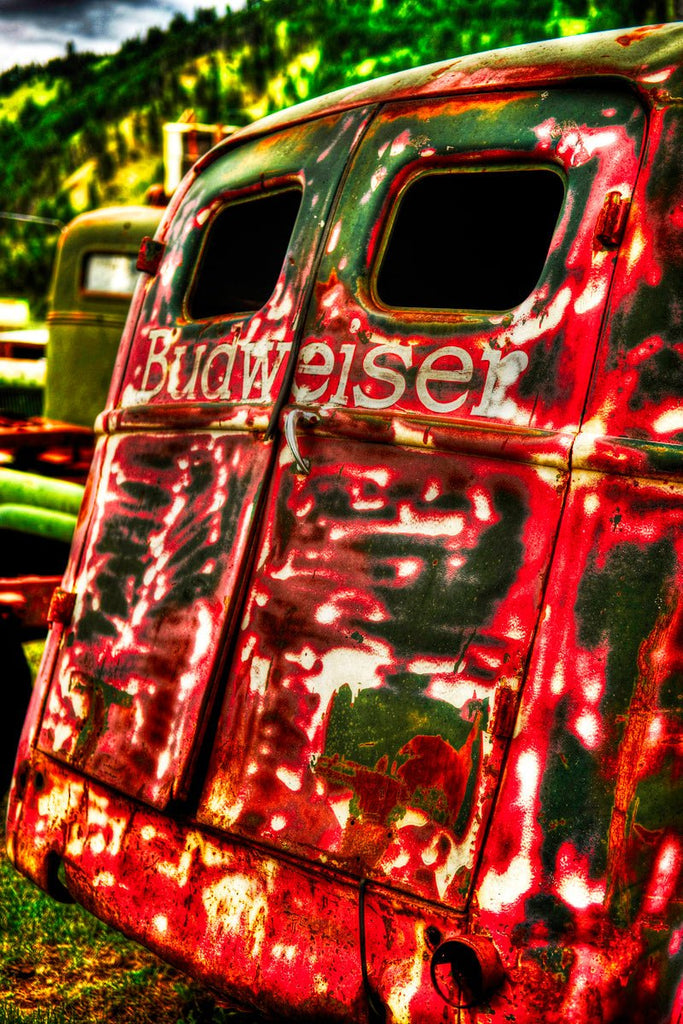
101 117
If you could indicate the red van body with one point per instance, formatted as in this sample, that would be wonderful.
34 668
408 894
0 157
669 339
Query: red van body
362 694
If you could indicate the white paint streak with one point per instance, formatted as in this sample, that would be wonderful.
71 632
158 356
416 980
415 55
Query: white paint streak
258 675
500 889
238 905
290 779
669 422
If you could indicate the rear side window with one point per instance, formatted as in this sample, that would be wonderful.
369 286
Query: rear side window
469 239
243 254
109 274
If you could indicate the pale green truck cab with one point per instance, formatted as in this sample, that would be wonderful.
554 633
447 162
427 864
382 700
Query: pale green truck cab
92 285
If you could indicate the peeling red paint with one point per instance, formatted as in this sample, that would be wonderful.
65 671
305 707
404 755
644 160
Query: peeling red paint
370 699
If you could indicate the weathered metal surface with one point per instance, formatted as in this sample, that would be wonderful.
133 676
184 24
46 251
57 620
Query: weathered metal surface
365 697
87 314
583 857
240 364
165 545
392 606
528 367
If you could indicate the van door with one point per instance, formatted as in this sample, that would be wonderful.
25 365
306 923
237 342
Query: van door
156 581
412 516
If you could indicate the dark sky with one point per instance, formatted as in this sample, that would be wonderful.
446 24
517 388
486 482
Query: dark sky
31 30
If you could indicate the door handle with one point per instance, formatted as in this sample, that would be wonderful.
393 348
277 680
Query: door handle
292 420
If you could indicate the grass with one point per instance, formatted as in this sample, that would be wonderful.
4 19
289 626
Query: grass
60 965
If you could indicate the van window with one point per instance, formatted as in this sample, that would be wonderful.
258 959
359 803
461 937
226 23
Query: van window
106 273
243 254
465 239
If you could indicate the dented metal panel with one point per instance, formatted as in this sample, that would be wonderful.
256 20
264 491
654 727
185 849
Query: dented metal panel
391 612
583 860
153 597
363 696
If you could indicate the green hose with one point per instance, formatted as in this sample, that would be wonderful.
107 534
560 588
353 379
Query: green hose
39 492
41 522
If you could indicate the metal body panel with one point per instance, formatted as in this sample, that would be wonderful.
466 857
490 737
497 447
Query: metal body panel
637 387
390 614
365 680
280 937
526 367
584 856
238 361
156 585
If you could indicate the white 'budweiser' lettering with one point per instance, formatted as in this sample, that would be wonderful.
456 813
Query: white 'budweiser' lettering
441 382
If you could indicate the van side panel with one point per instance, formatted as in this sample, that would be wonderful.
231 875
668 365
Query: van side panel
581 876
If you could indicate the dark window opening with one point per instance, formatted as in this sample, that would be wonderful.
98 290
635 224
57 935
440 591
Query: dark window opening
243 255
473 240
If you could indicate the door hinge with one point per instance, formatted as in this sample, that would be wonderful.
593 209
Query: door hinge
611 225
61 607
149 256
504 710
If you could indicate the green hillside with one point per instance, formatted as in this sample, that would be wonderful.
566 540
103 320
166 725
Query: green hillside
85 130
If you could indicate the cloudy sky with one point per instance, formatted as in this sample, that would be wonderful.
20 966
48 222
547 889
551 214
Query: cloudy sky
37 30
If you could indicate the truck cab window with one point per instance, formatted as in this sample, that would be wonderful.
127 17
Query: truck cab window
107 273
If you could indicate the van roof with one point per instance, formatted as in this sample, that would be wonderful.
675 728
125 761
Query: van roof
648 58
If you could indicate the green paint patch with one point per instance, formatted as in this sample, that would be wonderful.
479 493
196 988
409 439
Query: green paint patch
550 911
554 960
659 802
661 377
101 697
576 800
671 693
379 723
620 604
440 608
396 746
662 457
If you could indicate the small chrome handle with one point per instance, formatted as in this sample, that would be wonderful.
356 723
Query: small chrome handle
292 420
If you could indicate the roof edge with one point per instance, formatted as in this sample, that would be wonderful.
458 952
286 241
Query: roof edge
649 57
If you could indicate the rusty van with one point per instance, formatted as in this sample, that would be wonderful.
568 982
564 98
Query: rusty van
362 691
